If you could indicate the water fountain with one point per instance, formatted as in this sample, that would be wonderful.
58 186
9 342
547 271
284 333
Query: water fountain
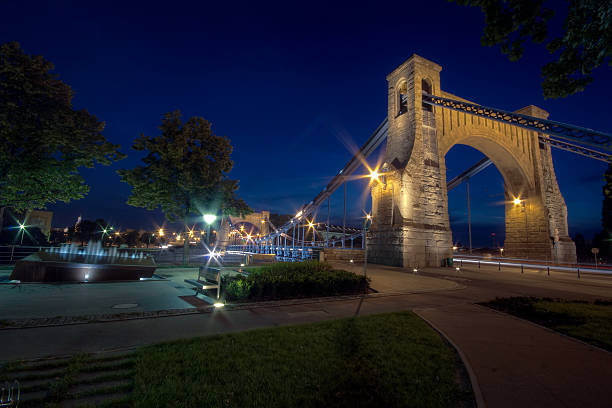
93 263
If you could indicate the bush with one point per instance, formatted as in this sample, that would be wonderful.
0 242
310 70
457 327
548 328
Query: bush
292 280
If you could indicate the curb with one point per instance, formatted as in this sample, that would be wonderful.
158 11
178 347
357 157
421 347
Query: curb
473 380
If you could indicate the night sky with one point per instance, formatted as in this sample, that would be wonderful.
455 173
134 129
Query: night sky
293 86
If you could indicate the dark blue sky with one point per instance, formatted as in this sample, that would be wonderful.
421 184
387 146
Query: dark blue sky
290 84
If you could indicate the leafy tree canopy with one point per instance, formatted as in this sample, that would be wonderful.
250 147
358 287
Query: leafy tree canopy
585 44
185 171
44 140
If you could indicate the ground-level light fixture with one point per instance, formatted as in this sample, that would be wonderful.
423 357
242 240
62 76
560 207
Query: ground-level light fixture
218 304
457 269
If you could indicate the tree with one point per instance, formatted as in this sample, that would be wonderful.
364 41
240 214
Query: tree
584 45
132 238
44 140
86 230
148 238
185 171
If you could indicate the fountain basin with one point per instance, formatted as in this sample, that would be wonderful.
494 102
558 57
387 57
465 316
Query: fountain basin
60 267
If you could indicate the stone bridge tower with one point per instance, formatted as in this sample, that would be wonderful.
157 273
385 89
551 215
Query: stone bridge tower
410 206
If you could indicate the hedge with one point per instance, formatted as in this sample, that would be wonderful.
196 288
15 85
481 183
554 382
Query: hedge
292 280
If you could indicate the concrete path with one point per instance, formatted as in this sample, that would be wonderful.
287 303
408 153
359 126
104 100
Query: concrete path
515 363
518 364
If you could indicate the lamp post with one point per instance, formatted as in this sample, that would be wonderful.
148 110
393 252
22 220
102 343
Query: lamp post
22 228
366 223
209 219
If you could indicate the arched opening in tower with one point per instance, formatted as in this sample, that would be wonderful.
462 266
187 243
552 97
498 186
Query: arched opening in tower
477 204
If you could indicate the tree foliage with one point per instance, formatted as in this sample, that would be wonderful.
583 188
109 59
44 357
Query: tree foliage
185 171
44 140
585 44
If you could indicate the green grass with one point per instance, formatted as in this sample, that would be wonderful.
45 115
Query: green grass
287 280
590 322
390 360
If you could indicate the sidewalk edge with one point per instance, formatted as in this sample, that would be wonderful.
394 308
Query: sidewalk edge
473 380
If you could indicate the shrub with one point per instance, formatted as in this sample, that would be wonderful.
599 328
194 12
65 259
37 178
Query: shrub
292 280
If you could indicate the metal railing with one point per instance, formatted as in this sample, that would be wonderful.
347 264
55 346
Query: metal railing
9 254
523 264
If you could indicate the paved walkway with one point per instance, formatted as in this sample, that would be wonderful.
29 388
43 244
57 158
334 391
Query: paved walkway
518 364
515 363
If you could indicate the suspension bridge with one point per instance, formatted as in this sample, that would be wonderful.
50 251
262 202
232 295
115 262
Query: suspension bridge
409 223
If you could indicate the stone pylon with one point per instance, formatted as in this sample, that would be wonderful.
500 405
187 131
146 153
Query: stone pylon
410 204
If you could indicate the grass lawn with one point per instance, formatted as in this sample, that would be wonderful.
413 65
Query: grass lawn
590 322
387 360
390 360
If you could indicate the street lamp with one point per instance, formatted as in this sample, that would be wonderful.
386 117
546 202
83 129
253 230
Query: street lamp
209 219
312 225
367 220
22 229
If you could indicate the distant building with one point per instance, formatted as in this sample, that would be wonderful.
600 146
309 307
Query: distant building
34 218
40 219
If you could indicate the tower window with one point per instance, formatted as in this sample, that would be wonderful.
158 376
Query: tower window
426 87
402 98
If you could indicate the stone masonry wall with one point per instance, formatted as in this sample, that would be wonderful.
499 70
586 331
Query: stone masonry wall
410 225
410 219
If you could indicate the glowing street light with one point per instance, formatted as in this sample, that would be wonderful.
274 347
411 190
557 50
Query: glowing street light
517 201
22 230
374 175
209 218
161 232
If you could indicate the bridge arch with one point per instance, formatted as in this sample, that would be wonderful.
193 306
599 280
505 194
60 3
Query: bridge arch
509 160
411 223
